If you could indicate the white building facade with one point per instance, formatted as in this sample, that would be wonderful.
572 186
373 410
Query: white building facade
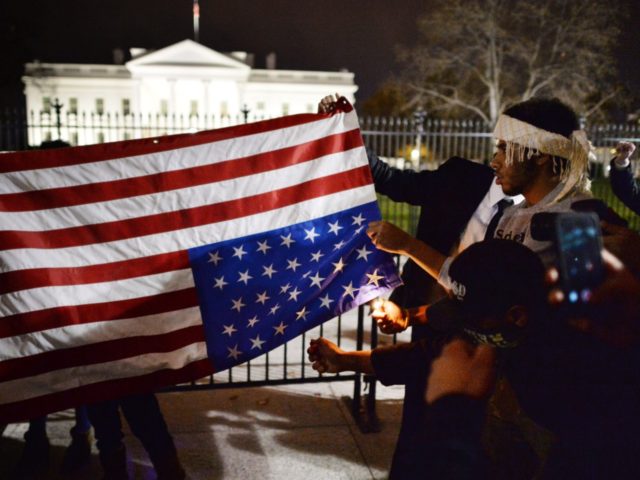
183 87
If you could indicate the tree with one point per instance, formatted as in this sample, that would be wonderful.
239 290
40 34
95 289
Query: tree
480 56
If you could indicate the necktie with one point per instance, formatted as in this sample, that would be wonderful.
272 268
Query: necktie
491 228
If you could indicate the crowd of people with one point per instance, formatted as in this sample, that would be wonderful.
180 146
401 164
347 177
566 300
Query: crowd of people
504 377
508 374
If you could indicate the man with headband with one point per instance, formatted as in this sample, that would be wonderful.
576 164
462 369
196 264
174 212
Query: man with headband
541 154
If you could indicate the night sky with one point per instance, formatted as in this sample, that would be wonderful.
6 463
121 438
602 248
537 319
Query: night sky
359 35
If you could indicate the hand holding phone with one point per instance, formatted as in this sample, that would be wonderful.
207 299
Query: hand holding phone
578 241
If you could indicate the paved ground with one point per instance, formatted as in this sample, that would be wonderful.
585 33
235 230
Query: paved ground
290 432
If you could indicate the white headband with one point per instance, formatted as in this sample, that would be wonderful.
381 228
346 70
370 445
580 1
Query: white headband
521 136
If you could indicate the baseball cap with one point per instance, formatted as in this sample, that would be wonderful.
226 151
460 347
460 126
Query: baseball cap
487 279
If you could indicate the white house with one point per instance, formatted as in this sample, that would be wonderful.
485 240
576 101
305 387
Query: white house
183 87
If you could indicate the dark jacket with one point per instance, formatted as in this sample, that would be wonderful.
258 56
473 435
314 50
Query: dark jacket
626 188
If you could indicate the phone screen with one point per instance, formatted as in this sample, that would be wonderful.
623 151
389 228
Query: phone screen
579 242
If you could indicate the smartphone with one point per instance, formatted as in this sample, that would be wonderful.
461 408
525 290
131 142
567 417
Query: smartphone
578 242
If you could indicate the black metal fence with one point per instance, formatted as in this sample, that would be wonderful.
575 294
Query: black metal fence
418 143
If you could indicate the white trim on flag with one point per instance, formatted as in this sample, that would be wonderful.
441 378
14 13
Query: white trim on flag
181 158
174 200
85 334
19 259
68 378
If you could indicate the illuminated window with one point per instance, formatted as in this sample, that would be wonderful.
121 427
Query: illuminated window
164 107
127 136
99 106
47 136
100 137
73 140
73 105
285 109
126 106
193 111
310 108
260 106
46 105
224 109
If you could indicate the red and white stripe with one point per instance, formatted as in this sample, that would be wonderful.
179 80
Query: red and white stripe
97 299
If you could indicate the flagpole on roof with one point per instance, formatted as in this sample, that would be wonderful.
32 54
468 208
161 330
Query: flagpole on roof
196 21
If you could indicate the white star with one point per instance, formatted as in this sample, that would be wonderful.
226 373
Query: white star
349 290
302 314
285 288
274 309
262 297
293 264
358 230
253 321
268 271
339 266
263 247
239 252
293 294
257 343
363 253
374 277
311 234
237 304
306 274
316 280
325 301
358 220
287 241
338 245
280 328
220 283
214 258
245 277
334 227
229 329
234 352
315 257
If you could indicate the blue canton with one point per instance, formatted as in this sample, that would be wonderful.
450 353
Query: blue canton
260 291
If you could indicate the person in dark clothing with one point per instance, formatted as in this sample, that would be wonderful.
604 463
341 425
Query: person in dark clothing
145 419
457 202
488 305
625 187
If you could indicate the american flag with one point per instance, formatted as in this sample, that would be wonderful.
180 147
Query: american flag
129 266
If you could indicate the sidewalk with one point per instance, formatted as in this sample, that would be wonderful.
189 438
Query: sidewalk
291 432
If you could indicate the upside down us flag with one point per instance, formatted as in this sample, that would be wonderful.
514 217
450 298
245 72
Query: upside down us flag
129 266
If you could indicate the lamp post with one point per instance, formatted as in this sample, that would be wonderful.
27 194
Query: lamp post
245 112
418 119
57 106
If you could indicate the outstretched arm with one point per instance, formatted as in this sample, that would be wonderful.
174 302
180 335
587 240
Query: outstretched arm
327 357
386 236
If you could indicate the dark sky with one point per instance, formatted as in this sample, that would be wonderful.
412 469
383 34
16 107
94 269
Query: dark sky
359 35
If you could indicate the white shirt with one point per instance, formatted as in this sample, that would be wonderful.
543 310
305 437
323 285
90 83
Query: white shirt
477 226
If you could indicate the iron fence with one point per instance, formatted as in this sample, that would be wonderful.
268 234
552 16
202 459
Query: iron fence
418 143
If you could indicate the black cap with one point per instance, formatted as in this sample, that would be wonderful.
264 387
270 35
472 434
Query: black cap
487 279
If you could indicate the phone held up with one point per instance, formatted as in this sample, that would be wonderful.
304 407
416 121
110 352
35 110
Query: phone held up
578 242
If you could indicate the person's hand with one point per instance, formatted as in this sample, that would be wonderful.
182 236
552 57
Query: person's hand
462 369
386 236
623 242
390 317
325 356
624 150
613 311
328 103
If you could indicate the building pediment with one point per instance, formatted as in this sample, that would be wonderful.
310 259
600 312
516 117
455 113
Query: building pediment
186 53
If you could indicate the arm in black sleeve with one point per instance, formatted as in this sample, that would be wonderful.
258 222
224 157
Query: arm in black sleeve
625 187
404 362
402 185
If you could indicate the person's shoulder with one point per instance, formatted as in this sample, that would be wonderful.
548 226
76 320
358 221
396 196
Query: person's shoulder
461 163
